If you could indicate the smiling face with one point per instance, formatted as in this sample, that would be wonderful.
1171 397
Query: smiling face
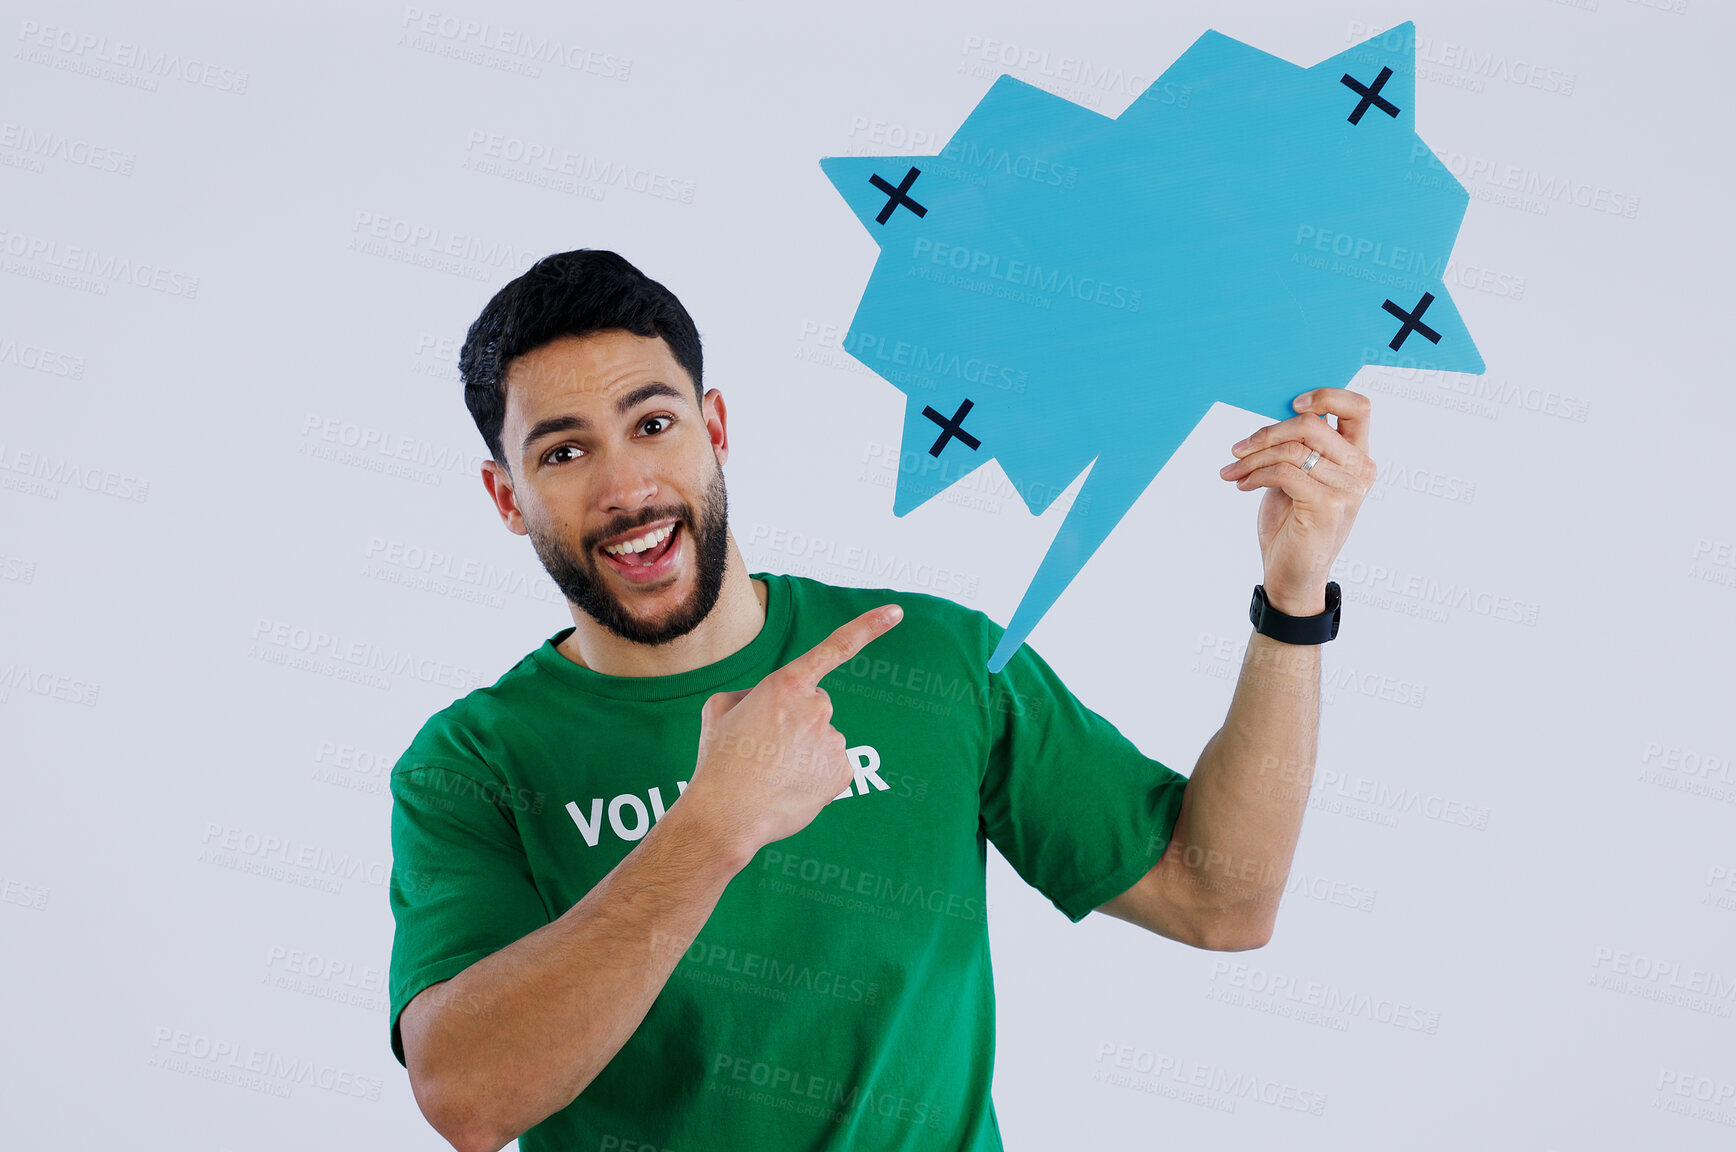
617 478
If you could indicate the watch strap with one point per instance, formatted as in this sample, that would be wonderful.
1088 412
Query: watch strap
1268 621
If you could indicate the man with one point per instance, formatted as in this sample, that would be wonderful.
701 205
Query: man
706 869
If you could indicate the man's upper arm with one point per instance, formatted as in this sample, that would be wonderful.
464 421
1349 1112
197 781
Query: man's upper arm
1176 899
1078 811
1151 903
413 1024
461 884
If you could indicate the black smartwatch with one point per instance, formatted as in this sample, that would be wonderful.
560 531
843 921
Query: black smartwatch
1268 621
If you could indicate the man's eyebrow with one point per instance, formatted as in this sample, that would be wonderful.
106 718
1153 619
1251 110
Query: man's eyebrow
625 403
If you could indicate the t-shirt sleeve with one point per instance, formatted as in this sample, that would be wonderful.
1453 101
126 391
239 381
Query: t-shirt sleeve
461 883
1074 806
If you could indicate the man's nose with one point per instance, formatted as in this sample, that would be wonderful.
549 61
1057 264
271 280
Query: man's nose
627 484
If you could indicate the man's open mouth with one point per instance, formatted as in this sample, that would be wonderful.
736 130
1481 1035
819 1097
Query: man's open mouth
644 552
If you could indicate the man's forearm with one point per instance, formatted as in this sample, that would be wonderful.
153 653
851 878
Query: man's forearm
1241 813
520 1033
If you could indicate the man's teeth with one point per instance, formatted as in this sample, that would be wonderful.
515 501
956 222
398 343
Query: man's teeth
640 543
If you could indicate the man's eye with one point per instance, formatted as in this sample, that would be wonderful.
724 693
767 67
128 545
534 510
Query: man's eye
554 453
663 420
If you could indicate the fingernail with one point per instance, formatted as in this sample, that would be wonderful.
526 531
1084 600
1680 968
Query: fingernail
1301 402
1239 445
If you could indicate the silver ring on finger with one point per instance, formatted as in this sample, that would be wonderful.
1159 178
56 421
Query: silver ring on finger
1313 459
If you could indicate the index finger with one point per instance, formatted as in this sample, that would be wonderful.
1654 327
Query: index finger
845 641
1351 408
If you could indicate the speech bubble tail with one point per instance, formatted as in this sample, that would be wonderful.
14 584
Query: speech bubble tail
1109 491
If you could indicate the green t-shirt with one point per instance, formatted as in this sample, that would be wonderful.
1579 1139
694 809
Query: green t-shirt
840 995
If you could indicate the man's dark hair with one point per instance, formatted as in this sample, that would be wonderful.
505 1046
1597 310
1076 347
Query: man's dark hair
568 294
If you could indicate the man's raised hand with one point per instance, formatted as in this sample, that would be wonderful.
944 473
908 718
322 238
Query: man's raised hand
769 758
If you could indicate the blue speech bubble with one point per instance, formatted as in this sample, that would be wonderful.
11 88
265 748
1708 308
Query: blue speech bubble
1059 290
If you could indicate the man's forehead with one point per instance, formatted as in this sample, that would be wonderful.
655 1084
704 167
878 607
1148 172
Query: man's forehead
585 372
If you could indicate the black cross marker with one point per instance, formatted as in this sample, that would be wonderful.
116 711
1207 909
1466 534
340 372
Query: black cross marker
950 428
898 195
1412 321
1370 95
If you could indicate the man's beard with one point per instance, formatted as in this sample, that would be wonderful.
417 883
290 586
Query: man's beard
580 579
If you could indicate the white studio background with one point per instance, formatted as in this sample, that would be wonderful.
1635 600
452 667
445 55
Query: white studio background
1513 912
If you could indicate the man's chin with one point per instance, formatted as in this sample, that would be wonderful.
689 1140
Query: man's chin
649 613
649 603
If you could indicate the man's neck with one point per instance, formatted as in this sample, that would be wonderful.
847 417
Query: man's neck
730 626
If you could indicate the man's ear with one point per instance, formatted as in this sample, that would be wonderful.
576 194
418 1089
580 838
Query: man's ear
716 424
498 481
